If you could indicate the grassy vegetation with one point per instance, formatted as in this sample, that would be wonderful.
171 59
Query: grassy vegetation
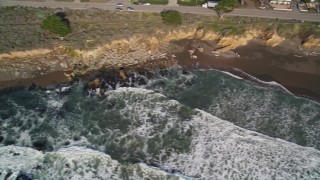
290 29
171 17
226 6
191 2
228 29
7 8
238 26
228 26
71 52
57 25
41 14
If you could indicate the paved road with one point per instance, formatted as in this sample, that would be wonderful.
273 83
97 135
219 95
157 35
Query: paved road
158 8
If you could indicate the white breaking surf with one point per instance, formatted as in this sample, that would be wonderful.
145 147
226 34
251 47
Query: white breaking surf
221 150
218 149
72 163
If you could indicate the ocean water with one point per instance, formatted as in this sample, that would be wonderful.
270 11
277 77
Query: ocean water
168 124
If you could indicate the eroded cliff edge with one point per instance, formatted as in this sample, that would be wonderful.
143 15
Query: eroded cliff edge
109 40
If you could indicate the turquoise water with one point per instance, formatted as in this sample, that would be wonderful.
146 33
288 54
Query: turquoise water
174 123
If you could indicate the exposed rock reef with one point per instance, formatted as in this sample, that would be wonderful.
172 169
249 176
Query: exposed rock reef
109 40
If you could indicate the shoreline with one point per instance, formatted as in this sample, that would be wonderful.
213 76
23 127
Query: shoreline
299 76
285 65
58 77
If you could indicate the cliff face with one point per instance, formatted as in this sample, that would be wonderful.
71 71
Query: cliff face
312 41
140 50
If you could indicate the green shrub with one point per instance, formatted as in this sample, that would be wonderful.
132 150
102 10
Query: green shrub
57 25
171 17
191 2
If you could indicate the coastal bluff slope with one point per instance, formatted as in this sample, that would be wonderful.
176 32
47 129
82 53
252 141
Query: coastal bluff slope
110 40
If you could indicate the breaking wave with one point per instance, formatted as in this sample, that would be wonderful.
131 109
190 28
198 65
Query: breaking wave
177 125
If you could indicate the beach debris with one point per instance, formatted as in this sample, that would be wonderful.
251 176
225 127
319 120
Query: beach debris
200 49
191 51
215 53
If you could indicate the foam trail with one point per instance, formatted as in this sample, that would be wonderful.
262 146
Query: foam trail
254 79
230 74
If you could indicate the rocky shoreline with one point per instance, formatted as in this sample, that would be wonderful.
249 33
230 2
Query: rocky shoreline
106 41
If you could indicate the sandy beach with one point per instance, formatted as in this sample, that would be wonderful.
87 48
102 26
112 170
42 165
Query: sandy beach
284 64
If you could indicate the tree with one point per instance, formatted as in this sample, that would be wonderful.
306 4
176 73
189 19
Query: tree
225 6
57 25
171 17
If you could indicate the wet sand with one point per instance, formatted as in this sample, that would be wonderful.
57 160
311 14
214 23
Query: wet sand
284 64
51 78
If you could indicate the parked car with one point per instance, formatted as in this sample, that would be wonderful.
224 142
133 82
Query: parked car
130 9
119 4
118 9
136 3
147 4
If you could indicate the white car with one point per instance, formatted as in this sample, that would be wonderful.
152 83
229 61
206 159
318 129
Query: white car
130 9
119 4
147 4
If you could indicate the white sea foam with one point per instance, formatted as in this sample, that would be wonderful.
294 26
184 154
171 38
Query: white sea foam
232 75
221 150
63 89
55 103
72 163
14 159
218 150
